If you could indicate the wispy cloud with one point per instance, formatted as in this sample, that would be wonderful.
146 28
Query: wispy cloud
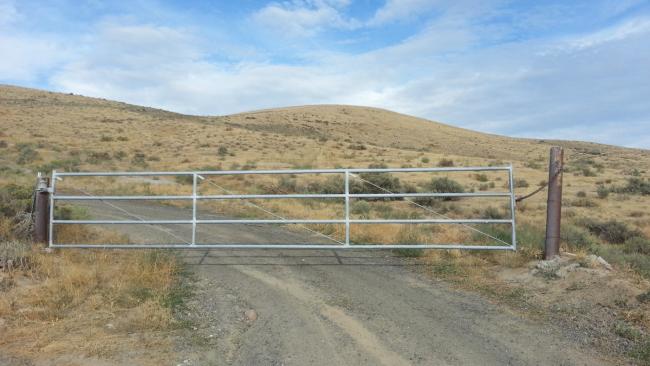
303 18
463 64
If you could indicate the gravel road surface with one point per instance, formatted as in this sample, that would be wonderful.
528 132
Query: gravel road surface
324 307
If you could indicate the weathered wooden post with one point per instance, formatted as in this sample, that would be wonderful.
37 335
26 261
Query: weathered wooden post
41 209
554 203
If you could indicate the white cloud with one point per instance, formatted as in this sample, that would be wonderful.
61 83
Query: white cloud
303 18
8 12
400 10
509 88
614 33
25 58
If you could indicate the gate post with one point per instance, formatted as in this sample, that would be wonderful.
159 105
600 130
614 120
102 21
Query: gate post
42 209
554 203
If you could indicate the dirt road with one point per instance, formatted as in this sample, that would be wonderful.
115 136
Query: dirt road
339 308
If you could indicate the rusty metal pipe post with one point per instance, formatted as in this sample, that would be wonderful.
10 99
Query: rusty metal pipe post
42 209
554 203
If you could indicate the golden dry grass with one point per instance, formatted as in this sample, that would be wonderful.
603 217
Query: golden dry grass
88 305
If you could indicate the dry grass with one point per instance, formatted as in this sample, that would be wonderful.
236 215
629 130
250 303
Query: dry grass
88 304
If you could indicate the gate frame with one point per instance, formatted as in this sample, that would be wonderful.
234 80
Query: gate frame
195 197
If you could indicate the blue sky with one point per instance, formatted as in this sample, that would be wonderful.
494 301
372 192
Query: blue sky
577 70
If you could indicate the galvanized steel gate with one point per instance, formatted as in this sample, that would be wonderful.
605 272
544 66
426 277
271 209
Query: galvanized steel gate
346 220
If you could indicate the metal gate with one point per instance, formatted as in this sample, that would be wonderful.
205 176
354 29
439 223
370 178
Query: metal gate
346 195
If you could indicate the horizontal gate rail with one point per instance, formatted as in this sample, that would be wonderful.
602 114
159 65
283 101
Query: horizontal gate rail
347 221
285 196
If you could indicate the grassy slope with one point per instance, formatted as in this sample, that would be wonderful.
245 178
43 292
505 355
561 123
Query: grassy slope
67 126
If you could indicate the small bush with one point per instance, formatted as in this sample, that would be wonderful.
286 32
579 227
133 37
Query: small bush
637 245
602 192
409 235
222 151
119 155
3 144
581 194
97 157
576 237
611 231
493 213
26 154
481 177
425 160
446 163
332 185
184 179
139 159
635 185
70 213
532 165
356 147
122 138
587 172
68 165
521 183
584 202
287 185
445 185
361 208
106 138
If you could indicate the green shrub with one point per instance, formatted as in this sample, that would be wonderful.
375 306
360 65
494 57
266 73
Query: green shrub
635 185
26 154
493 213
637 245
611 231
139 159
587 172
425 160
583 202
222 151
521 183
581 194
332 185
445 185
119 155
576 237
602 192
97 157
409 235
481 177
361 208
105 138
287 185
356 147
68 165
446 163
184 179
71 213
15 199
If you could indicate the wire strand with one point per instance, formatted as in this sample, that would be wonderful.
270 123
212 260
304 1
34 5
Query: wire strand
274 214
432 211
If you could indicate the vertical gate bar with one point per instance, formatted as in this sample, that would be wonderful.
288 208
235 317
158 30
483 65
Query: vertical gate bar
347 207
194 178
512 208
52 193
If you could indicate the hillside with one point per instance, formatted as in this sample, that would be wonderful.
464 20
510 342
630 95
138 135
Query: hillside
46 130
